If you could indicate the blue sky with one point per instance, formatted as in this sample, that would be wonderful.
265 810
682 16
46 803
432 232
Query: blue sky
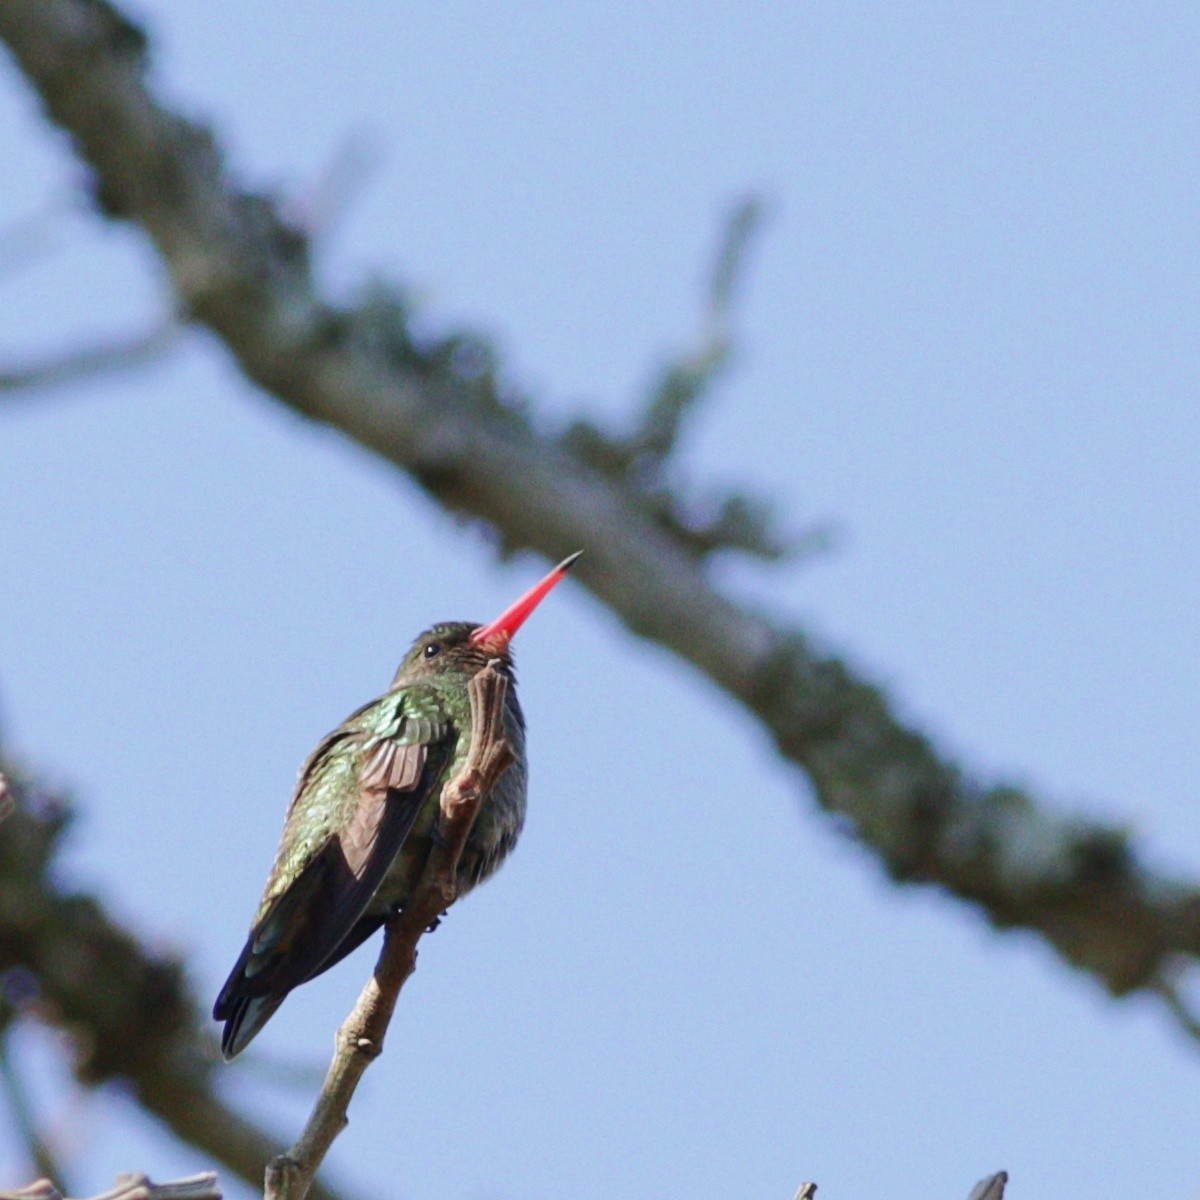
969 339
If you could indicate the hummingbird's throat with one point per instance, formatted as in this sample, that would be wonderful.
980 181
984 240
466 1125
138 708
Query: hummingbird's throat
495 646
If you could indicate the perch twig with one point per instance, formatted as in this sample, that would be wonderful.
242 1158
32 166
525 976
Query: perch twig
360 1039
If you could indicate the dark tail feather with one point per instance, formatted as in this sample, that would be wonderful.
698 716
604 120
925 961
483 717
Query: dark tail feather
244 1016
245 1009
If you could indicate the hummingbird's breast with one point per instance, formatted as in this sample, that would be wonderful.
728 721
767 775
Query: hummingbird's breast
502 814
496 829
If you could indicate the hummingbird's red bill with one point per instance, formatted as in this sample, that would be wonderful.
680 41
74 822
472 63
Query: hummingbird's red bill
496 635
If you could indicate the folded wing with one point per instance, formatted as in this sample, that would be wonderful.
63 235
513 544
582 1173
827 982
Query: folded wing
318 917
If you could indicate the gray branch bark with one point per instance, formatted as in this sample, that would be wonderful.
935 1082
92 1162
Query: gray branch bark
438 415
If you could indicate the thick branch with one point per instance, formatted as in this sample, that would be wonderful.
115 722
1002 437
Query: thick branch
360 1039
244 273
128 1011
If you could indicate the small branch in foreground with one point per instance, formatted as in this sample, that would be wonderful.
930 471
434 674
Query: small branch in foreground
360 1039
133 1186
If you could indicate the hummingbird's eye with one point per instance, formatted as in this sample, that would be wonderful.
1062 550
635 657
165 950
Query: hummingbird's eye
433 649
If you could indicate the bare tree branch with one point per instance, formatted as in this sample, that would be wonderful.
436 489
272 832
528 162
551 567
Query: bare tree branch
640 462
77 365
360 1039
128 1012
1169 985
41 1156
693 374
134 1186
241 271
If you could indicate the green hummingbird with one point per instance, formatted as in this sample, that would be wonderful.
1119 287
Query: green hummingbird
365 813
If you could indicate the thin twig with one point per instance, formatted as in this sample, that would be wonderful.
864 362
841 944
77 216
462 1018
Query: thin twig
132 1186
117 355
1167 988
806 1191
723 519
360 1039
685 380
38 1150
317 208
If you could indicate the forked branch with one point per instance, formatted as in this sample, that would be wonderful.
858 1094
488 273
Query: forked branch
360 1039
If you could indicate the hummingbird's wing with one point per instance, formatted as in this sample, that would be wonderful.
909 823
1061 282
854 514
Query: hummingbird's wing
358 796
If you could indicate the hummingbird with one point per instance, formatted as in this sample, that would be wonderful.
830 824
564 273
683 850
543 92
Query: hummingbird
365 812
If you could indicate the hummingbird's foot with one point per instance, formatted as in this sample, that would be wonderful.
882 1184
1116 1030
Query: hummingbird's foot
434 923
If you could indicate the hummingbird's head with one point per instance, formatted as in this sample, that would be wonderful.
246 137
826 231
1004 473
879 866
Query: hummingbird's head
444 649
464 648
